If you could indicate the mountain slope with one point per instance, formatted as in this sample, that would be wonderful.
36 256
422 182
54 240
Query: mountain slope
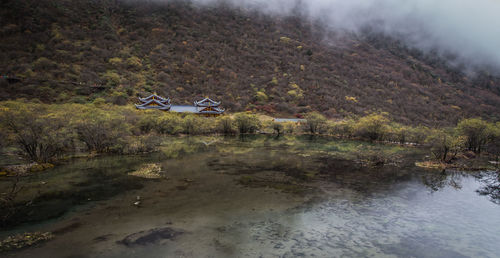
248 60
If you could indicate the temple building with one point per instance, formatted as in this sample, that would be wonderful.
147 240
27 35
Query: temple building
154 102
205 107
208 107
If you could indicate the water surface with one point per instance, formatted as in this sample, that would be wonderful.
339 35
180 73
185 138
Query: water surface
261 197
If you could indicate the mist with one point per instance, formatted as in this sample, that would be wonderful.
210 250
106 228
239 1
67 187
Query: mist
469 30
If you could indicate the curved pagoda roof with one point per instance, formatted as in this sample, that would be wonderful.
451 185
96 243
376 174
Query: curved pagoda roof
206 102
212 110
155 97
154 104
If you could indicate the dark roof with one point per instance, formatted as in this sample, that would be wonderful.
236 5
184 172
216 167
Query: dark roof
206 102
154 96
160 105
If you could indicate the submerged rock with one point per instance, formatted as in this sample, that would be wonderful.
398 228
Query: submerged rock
152 236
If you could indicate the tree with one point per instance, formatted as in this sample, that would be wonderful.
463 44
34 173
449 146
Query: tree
444 144
477 133
315 122
372 127
494 143
278 128
40 135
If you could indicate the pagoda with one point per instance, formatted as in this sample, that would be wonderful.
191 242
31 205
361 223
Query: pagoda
208 107
154 102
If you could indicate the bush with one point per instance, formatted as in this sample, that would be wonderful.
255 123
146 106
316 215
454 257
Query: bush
278 128
192 124
40 136
343 128
477 133
372 127
112 78
119 98
399 133
247 123
444 144
315 122
102 131
134 62
225 125
44 64
169 124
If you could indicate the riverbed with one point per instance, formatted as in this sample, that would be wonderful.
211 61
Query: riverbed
260 196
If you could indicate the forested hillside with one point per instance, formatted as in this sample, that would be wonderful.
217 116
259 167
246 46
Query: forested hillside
282 66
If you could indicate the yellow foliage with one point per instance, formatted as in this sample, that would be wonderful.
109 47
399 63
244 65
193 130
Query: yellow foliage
285 39
134 61
115 61
261 96
352 99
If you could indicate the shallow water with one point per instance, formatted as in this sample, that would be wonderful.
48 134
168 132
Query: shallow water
261 197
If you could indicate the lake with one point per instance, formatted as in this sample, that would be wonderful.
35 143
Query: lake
260 196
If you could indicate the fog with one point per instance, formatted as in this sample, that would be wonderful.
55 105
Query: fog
468 29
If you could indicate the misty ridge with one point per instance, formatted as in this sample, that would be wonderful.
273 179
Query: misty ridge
464 32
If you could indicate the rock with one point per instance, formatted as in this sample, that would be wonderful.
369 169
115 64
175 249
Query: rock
152 236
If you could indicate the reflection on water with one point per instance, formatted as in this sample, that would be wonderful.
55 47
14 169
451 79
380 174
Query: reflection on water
263 196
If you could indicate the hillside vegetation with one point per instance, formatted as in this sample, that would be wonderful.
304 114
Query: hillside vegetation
280 66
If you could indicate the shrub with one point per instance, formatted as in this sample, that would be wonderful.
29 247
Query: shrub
315 122
169 124
343 128
247 123
372 127
278 128
119 98
261 96
112 78
102 131
134 62
44 64
115 61
192 124
476 131
225 125
419 134
41 136
444 144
